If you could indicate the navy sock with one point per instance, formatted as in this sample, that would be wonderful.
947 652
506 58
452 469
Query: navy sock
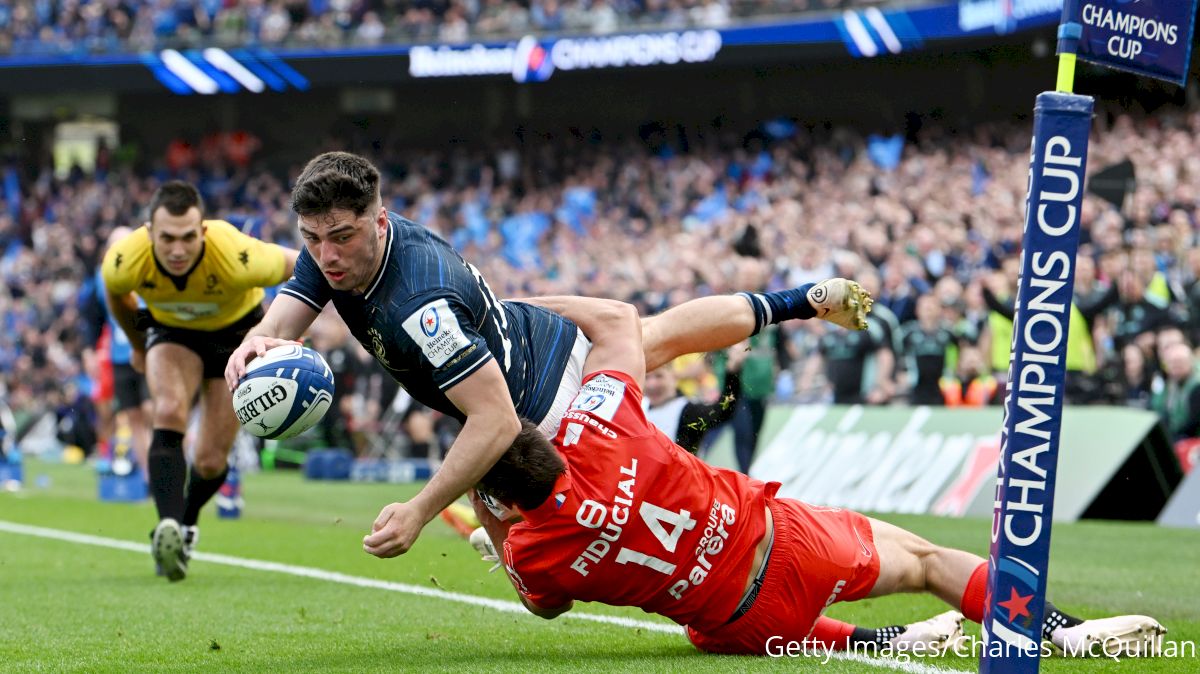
780 306
168 472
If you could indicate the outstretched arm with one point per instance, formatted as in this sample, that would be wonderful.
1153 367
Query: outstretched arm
490 429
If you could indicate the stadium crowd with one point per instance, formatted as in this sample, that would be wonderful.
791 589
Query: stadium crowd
928 220
49 27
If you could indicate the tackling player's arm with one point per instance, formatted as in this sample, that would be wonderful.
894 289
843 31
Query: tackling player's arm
614 328
498 532
491 426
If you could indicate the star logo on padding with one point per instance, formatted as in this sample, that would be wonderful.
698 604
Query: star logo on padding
1016 605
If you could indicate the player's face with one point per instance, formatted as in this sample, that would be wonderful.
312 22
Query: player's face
178 239
660 384
347 248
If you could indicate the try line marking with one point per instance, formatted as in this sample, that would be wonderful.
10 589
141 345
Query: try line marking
405 588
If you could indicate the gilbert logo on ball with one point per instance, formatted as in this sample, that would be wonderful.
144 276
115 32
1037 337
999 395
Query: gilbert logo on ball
284 393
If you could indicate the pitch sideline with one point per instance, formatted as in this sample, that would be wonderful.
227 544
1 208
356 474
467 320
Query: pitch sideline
405 588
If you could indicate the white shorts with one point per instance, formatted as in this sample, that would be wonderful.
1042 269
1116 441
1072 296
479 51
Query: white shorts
568 387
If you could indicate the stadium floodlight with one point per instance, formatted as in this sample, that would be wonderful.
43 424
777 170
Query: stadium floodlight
1110 32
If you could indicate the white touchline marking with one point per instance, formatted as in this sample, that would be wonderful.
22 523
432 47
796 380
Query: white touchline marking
358 581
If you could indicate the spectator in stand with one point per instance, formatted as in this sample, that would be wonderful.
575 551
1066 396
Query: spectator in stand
971 385
929 351
1176 397
656 222
685 419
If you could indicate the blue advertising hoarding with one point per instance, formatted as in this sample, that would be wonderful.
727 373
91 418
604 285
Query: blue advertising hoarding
1147 37
859 33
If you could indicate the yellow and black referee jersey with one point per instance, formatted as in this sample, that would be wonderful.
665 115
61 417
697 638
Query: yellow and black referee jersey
221 288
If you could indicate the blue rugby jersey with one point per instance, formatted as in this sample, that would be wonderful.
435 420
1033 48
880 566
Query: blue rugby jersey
431 320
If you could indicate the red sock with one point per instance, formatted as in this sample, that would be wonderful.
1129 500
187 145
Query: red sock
975 595
832 634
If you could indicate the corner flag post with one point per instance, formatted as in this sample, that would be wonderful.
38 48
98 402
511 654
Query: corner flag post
1149 37
1024 504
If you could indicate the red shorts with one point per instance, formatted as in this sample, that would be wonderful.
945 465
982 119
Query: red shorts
820 556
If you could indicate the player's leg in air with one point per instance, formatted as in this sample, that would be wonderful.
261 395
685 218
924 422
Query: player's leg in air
716 322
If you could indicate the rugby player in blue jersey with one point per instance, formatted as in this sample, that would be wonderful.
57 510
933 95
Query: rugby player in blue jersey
431 320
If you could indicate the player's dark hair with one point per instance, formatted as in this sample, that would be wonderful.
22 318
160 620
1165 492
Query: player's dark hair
177 197
336 180
526 474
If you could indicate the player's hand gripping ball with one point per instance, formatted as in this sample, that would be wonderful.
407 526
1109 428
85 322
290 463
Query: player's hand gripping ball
284 393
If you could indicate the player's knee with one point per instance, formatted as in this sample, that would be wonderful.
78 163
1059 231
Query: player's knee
210 466
170 412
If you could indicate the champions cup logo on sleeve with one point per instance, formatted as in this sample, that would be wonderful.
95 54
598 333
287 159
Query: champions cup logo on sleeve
435 330
430 322
600 397
592 403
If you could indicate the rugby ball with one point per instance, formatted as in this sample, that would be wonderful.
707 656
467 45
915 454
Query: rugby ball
284 393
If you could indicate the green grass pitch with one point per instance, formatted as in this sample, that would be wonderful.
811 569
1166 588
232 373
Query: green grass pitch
71 606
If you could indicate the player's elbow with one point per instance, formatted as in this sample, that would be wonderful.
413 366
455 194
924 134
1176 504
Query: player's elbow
620 316
507 425
624 311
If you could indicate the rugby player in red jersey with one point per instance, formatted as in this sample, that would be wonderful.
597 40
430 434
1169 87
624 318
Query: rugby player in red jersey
616 512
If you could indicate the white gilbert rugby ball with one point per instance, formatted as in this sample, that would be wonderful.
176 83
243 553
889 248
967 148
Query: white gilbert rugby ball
284 393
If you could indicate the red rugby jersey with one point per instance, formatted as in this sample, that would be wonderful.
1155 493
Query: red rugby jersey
636 520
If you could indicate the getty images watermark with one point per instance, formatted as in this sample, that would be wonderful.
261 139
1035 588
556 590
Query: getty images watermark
973 647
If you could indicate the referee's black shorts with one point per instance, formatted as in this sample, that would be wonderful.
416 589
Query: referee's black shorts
213 346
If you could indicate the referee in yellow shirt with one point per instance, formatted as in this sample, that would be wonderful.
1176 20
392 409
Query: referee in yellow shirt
202 282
